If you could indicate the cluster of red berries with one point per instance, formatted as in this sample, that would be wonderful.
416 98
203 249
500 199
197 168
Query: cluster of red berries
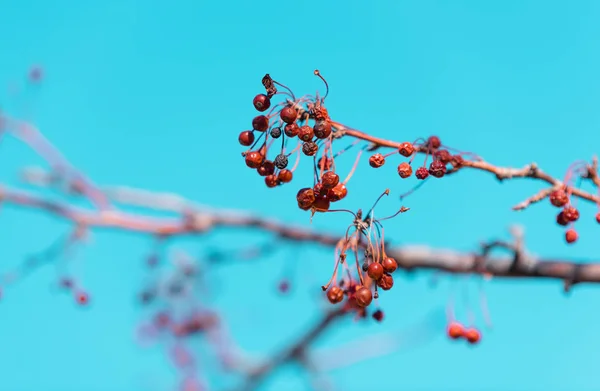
568 215
431 147
456 331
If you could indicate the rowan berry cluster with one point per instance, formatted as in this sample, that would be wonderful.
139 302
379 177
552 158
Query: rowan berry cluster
306 121
456 330
432 147
372 270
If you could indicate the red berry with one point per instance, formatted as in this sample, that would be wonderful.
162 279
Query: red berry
260 123
561 219
261 102
310 148
422 173
456 161
404 170
375 271
378 315
82 298
337 193
437 169
267 167
246 138
559 198
571 236
363 296
322 129
305 198
406 149
443 156
377 160
472 335
386 282
434 142
325 163
335 294
330 179
288 114
254 159
285 176
321 203
389 265
271 180
306 133
571 213
291 130
455 330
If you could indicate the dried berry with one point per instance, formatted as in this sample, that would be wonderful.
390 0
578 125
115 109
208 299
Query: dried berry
559 198
472 335
561 219
321 203
329 180
276 132
271 180
378 315
325 163
422 173
455 330
404 170
305 198
571 213
406 149
443 156
571 236
386 282
266 168
254 159
281 161
377 160
285 176
310 148
437 169
306 133
291 130
337 193
434 142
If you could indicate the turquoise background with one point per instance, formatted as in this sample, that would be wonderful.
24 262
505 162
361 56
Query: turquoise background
153 94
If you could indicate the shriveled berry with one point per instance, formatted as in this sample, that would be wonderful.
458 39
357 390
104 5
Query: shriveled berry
561 219
322 129
288 114
285 176
266 168
375 271
437 169
321 203
455 330
335 294
386 282
571 236
254 159
571 213
260 123
281 161
472 335
276 132
305 198
246 138
363 296
377 160
404 170
271 180
330 179
457 161
306 133
422 173
434 142
291 130
310 148
406 149
338 193
378 315
325 163
261 102
559 198
389 265
319 189
443 156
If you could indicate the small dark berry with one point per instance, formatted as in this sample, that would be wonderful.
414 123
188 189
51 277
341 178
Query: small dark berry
310 148
260 123
404 170
246 138
276 132
434 142
422 173
261 102
281 161
378 315
254 159
561 219
322 129
437 169
406 149
376 160
288 114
